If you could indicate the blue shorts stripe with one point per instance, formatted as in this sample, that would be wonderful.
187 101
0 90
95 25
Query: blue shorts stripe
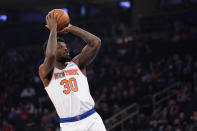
77 118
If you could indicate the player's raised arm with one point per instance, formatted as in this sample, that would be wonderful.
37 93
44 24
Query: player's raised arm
50 51
90 51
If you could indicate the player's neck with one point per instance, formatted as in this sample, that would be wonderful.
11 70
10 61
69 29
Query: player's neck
61 65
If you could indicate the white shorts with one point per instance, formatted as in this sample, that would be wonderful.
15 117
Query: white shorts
91 123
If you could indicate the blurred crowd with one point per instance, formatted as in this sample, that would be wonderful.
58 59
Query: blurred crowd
126 71
135 71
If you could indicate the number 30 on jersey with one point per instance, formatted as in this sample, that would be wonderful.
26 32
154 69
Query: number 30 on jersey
69 85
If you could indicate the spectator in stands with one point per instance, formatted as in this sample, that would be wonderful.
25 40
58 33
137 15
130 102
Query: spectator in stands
172 110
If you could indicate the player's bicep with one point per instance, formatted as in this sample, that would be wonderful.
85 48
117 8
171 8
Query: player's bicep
47 66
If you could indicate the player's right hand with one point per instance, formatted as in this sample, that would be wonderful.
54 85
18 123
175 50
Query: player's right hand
51 20
66 29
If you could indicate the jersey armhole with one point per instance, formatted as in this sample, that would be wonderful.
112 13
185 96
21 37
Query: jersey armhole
79 69
51 78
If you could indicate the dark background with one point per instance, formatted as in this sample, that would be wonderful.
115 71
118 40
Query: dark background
146 47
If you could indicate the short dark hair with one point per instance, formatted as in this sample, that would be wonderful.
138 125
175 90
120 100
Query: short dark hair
59 39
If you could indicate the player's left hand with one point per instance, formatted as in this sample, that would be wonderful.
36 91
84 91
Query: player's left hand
51 20
66 29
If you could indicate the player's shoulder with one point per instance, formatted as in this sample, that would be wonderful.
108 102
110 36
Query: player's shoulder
76 63
43 72
40 68
71 64
81 68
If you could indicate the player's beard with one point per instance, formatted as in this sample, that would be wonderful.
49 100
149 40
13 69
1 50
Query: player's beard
63 59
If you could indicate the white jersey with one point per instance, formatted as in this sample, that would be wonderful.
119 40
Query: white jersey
69 91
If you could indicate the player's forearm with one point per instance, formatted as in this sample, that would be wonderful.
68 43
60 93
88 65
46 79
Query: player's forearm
52 43
89 38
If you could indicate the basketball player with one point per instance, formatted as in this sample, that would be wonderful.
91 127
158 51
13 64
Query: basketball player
65 80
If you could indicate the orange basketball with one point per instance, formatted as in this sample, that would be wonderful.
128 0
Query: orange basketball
63 19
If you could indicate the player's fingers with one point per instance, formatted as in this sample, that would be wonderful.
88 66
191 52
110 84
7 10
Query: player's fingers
47 20
47 26
50 14
70 25
47 17
51 11
53 14
67 28
56 16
